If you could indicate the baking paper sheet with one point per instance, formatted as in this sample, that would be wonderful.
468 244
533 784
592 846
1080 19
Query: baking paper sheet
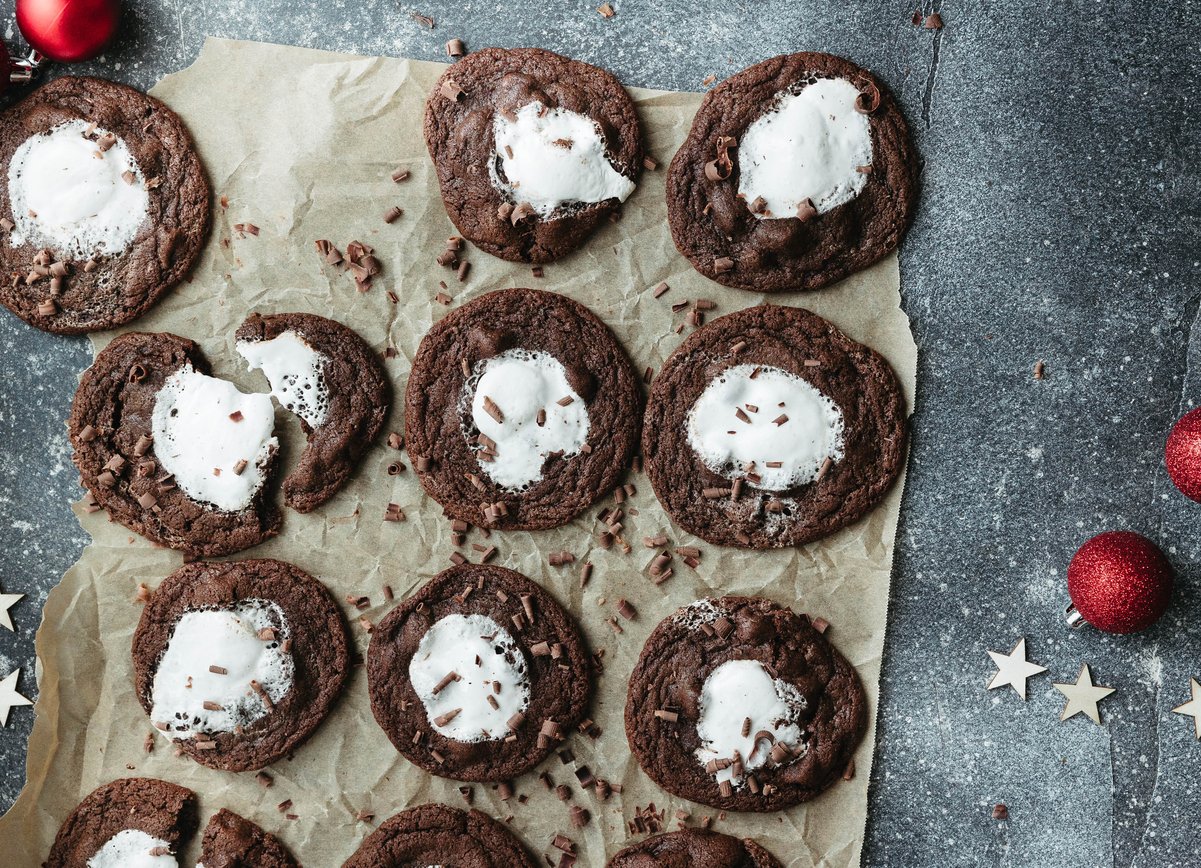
301 143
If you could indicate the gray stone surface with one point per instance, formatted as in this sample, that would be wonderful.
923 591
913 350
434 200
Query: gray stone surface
1060 207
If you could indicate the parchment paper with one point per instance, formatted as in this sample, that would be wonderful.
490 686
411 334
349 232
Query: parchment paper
301 143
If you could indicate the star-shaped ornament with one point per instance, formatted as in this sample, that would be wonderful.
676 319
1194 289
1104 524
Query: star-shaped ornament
7 601
9 698
1083 696
1013 669
1193 706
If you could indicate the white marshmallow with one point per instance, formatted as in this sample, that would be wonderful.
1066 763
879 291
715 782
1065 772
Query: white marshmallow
734 691
522 382
548 175
452 644
130 848
727 445
195 436
228 639
295 371
808 145
72 201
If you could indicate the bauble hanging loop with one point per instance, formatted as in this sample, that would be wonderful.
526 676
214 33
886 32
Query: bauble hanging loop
1120 582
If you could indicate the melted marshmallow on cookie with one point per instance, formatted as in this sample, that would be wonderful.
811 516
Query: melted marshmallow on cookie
133 848
294 370
741 689
520 386
458 707
69 194
809 145
553 157
767 417
213 438
233 642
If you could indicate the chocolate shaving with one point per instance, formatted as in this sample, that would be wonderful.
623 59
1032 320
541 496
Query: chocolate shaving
455 48
451 90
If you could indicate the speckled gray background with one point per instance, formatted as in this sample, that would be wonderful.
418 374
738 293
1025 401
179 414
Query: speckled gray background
1059 219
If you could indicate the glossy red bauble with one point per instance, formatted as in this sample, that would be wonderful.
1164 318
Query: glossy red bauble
1183 454
68 30
1120 582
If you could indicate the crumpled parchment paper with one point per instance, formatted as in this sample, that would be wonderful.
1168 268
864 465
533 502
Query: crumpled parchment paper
301 143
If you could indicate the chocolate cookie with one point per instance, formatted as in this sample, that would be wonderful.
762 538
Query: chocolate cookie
333 381
533 150
438 835
797 172
104 205
521 410
176 455
743 705
479 675
695 849
239 662
769 427
129 821
231 841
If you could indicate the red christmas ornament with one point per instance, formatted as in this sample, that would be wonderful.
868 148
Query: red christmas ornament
1183 454
68 30
1119 582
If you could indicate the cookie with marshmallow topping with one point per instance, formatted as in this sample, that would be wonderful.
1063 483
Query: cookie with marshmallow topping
173 453
238 663
327 376
521 410
479 675
769 427
797 172
533 150
130 821
743 705
104 205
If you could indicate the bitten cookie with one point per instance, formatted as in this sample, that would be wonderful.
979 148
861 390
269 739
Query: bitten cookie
696 849
479 675
239 662
231 841
533 150
769 427
437 835
743 705
333 381
521 410
132 821
176 455
104 205
797 172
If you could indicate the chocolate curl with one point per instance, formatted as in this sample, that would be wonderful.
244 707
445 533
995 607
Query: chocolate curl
869 98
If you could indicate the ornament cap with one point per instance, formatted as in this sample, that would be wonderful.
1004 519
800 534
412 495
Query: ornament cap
1073 618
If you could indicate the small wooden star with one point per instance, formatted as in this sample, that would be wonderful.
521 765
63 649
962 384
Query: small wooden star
7 601
9 698
1083 696
1013 669
1193 706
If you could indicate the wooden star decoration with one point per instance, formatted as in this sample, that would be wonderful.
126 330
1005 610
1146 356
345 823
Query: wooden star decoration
6 602
1013 669
9 698
1192 707
1083 696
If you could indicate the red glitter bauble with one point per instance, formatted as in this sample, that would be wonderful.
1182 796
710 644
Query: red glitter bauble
1120 582
68 30
1183 454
